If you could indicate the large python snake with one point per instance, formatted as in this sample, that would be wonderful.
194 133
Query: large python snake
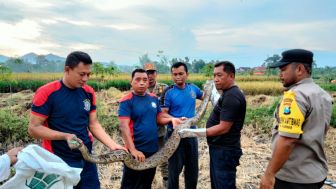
159 157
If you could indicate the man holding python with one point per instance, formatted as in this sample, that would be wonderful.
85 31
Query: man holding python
139 116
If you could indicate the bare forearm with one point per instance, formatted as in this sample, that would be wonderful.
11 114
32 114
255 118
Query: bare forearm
215 131
164 121
42 132
99 133
125 132
220 129
164 118
37 130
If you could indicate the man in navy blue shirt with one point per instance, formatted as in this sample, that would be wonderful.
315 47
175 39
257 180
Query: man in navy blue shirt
64 110
179 100
139 116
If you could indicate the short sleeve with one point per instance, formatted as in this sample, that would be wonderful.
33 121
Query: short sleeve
41 103
166 100
124 109
231 108
93 102
199 93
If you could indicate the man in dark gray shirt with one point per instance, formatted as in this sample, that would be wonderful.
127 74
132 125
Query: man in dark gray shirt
223 128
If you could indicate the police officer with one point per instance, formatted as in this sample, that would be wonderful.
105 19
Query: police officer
302 120
158 88
154 86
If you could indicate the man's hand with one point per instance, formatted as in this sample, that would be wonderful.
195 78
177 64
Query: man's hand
73 141
178 121
267 181
188 133
117 147
13 154
138 155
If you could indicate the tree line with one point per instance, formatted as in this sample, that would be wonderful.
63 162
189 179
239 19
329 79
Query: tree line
162 64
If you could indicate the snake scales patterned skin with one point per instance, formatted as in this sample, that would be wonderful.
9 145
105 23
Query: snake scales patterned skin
159 157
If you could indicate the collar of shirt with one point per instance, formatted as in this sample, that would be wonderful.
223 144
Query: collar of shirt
303 81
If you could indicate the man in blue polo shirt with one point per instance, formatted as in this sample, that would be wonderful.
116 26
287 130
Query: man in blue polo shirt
64 110
179 100
139 116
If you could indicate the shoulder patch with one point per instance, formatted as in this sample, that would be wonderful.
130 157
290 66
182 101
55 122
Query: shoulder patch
290 115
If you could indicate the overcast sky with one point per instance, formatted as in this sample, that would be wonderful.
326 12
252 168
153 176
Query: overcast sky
242 31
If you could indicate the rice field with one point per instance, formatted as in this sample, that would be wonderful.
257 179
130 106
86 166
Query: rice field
250 84
118 76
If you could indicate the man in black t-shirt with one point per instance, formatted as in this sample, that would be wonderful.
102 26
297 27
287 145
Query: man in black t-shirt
223 128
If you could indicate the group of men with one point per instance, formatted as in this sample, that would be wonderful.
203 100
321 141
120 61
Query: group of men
179 100
65 110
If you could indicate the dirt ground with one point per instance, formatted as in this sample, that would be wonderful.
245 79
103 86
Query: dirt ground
256 153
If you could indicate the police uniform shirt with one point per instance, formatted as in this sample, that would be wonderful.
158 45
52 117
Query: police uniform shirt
304 113
157 89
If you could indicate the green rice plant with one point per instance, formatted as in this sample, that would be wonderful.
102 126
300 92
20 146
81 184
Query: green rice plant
13 127
333 116
16 85
328 86
251 85
261 117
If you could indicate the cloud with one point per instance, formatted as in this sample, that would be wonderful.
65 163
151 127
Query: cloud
123 30
35 4
22 37
73 22
313 35
125 26
84 47
10 13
